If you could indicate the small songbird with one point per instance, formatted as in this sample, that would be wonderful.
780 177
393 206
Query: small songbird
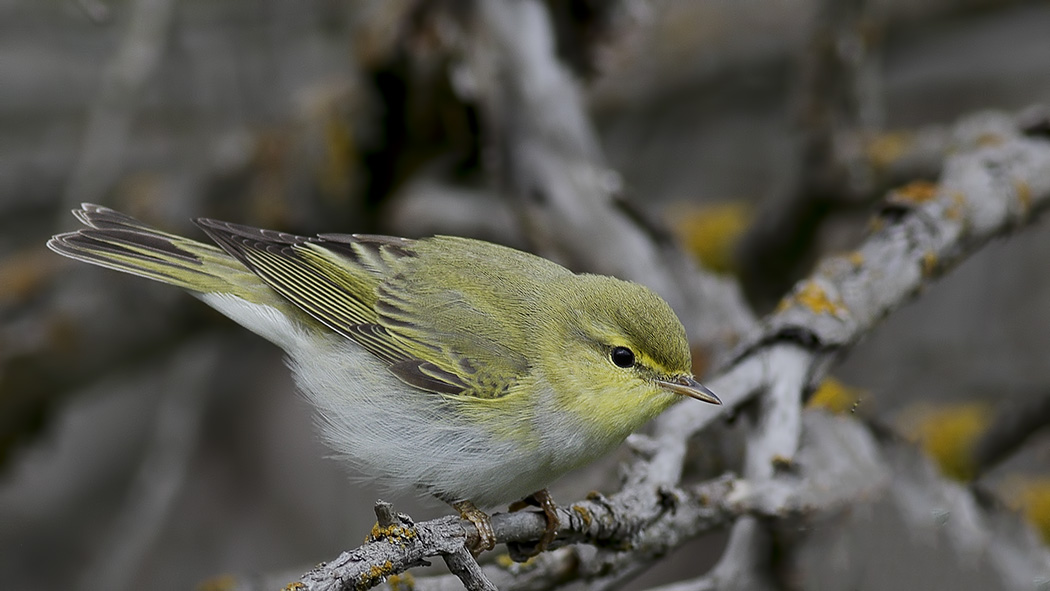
470 371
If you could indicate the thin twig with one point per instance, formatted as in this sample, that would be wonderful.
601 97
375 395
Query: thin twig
466 569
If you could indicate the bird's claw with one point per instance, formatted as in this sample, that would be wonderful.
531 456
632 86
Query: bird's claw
486 537
543 500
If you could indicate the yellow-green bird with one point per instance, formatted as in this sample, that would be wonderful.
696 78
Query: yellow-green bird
470 371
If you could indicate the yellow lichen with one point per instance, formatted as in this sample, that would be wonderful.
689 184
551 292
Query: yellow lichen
23 274
391 533
814 298
584 514
855 258
835 396
1031 496
955 210
989 140
296 586
336 172
63 335
711 232
884 149
507 563
948 434
914 193
1024 194
929 262
402 582
220 583
375 574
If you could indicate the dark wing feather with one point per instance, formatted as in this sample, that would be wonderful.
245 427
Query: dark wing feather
427 376
342 298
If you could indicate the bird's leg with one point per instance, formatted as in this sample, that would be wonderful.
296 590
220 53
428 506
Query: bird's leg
543 500
486 538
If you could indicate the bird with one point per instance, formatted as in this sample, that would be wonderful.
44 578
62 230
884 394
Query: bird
447 366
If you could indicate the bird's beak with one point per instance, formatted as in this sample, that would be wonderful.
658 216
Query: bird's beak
687 386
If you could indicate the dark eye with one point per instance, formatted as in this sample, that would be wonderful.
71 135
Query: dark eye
622 357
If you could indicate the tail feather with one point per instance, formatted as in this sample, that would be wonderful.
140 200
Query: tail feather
120 242
103 218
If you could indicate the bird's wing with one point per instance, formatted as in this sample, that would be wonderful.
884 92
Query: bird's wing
367 288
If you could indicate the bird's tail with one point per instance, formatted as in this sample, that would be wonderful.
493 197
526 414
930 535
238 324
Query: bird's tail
118 241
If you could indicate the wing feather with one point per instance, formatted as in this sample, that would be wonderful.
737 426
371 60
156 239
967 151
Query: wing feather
362 287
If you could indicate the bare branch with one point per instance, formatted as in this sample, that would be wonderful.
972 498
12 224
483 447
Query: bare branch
984 192
978 533
632 528
466 568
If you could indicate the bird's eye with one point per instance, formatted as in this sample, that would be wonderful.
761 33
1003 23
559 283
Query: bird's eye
622 357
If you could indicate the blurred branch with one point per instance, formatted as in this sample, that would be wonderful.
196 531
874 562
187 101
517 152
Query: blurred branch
837 87
163 470
109 121
96 10
988 536
1017 420
878 160
38 369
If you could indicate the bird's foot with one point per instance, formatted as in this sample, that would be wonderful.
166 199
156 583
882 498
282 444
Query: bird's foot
542 499
486 537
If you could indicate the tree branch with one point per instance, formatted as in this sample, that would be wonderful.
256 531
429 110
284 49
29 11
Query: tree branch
986 191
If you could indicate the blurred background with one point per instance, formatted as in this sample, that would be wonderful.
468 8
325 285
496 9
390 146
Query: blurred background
147 442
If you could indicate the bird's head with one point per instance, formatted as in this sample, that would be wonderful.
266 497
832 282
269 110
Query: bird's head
623 356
